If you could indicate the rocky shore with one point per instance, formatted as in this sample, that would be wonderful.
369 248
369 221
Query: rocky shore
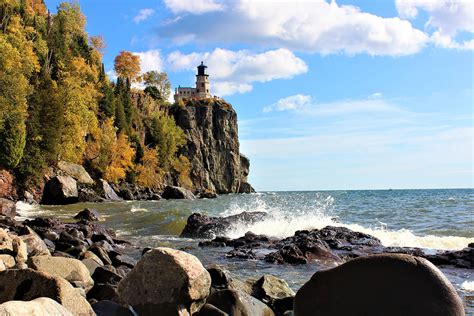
80 267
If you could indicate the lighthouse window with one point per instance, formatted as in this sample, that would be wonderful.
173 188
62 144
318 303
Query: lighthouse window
197 90
202 84
208 90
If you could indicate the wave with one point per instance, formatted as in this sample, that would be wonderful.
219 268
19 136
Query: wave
468 286
281 225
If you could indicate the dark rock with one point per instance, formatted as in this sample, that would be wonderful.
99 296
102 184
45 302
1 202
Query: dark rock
101 253
391 284
106 274
238 303
102 291
89 193
208 195
212 145
60 190
88 214
7 208
245 187
172 192
471 245
110 308
210 310
202 226
123 270
124 260
239 253
287 254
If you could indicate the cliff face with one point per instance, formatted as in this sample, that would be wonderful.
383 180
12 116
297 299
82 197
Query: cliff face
213 146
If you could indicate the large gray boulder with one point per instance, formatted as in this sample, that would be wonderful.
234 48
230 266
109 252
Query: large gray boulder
107 191
274 292
70 269
7 208
37 307
60 190
27 284
164 279
388 284
76 171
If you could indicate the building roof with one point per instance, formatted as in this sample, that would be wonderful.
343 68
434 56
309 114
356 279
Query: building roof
202 65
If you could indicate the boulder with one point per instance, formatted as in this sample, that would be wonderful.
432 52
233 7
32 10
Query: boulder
8 261
34 244
163 279
388 284
238 303
274 292
172 192
60 190
91 265
20 249
7 208
37 307
28 284
76 171
211 310
107 191
89 215
202 226
6 242
71 270
221 279
245 187
110 308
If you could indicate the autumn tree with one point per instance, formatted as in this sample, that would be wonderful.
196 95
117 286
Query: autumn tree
160 82
122 155
127 66
98 43
149 173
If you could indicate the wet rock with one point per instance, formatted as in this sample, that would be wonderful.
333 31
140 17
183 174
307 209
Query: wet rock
71 270
7 208
238 303
208 194
274 292
76 171
242 253
287 254
37 307
202 226
88 214
101 253
245 187
124 260
110 308
172 192
221 279
60 190
462 258
392 283
173 278
27 284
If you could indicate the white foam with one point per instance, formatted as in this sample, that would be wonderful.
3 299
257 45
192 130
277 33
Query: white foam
468 286
138 209
28 211
281 225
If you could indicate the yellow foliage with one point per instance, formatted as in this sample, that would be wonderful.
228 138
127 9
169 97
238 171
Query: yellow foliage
182 166
148 173
122 155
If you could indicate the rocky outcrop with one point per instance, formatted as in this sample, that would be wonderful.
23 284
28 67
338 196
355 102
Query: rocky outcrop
274 292
379 284
212 146
202 226
60 190
7 185
165 280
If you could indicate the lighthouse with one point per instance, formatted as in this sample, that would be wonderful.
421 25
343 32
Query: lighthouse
202 89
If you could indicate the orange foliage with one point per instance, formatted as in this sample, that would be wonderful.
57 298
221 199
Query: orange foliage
122 155
127 65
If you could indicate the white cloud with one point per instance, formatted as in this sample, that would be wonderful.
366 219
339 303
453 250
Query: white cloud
143 14
304 104
193 6
235 71
447 17
376 95
150 60
311 26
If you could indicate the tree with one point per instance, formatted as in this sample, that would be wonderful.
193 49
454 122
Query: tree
160 81
148 172
121 160
127 65
98 43
167 137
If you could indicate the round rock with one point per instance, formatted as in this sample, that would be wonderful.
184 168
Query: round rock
388 284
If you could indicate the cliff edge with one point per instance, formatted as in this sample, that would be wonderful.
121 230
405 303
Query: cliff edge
213 146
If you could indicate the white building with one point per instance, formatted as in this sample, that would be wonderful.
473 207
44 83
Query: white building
202 89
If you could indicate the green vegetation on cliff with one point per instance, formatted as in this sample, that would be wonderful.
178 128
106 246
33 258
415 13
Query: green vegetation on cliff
56 103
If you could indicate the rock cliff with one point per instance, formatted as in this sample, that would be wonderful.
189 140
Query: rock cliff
213 146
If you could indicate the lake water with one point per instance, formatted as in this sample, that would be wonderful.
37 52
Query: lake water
430 219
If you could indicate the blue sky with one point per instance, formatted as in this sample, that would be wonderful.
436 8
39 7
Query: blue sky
329 94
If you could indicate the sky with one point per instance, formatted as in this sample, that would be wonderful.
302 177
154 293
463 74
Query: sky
329 94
